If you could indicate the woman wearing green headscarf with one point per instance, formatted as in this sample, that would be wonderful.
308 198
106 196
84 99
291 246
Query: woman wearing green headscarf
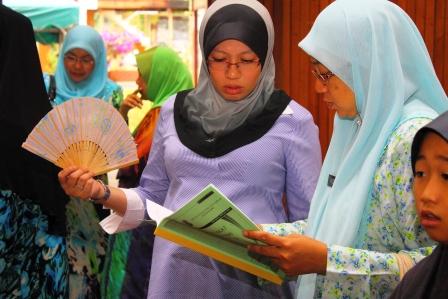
162 73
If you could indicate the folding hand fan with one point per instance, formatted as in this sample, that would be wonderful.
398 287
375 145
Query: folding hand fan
86 132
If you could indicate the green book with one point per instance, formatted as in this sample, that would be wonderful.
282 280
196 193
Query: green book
212 225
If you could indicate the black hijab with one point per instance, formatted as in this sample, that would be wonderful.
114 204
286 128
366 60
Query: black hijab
429 278
205 122
23 102
438 126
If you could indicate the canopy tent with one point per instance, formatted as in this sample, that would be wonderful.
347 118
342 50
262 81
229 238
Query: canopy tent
50 18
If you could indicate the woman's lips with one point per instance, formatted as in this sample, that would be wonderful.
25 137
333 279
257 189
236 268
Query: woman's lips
232 89
77 75
429 219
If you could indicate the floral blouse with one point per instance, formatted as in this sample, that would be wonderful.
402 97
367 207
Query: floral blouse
390 225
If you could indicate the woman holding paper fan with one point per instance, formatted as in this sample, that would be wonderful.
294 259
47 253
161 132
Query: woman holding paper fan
162 73
33 253
82 72
233 130
363 232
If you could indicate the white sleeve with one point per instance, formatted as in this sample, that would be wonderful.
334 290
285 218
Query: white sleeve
135 212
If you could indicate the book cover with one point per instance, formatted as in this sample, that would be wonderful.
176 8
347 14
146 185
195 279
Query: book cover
212 225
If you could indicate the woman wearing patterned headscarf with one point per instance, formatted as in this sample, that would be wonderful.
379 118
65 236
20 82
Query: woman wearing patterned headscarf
82 72
162 73
233 130
362 233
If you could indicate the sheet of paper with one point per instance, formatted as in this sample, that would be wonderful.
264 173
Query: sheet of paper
157 212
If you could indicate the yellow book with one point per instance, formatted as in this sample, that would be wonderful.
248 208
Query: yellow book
212 225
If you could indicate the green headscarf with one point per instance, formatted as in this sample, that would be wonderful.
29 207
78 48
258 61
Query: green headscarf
164 72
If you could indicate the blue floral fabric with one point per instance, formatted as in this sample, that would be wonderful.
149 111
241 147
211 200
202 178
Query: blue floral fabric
86 249
390 225
33 263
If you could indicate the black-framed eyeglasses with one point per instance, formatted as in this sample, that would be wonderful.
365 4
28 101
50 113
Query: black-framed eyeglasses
72 59
323 77
242 65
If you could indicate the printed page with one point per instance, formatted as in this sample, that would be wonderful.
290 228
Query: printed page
211 211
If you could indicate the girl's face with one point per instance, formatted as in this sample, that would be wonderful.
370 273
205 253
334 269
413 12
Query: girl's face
431 186
79 64
337 95
234 69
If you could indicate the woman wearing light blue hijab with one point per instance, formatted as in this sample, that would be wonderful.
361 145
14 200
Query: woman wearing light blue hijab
82 71
362 233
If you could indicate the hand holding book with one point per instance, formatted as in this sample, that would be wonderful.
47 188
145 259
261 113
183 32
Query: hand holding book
294 254
212 225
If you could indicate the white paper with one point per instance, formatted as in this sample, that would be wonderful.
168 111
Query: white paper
157 212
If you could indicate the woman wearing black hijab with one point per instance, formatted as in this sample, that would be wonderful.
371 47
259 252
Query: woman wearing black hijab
33 259
429 278
234 130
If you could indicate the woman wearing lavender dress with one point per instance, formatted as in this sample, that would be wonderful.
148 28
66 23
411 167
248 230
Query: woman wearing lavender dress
233 130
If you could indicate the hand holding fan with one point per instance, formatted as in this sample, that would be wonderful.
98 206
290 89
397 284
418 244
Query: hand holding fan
84 132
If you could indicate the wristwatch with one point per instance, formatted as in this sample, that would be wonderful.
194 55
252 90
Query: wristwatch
106 195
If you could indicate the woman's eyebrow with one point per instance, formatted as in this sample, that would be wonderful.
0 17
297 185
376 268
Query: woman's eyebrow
442 158
228 54
82 56
419 157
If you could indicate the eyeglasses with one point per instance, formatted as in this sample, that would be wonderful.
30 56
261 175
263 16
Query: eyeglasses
72 60
323 77
242 65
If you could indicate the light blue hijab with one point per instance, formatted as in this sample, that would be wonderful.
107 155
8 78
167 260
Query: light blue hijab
88 39
375 48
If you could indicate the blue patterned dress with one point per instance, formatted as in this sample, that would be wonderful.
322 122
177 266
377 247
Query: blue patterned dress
370 270
33 263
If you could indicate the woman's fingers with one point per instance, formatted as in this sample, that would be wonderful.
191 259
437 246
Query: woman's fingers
294 254
76 181
62 175
272 247
133 101
72 178
264 237
83 179
269 251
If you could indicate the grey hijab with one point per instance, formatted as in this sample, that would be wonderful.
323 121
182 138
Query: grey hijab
204 106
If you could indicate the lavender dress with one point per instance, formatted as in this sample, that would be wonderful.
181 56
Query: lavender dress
286 160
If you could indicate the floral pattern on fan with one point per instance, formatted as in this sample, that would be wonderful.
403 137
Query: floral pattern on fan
86 132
